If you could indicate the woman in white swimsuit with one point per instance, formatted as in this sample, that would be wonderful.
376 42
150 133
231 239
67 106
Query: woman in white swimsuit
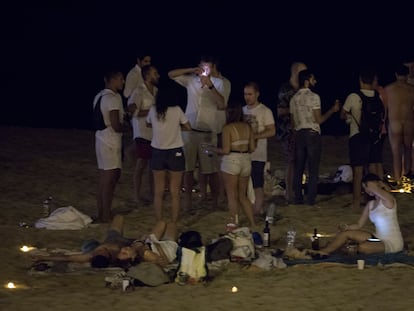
382 212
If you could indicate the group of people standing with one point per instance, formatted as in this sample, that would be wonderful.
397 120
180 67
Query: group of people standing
225 140
299 118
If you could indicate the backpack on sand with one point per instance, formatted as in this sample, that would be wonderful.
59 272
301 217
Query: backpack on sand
191 256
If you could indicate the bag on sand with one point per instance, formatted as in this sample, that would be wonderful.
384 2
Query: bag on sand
191 256
243 244
219 249
192 267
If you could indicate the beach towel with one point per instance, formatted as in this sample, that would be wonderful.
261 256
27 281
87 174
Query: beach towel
371 259
64 218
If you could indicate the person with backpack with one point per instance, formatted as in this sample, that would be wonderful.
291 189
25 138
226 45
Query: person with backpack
108 141
364 111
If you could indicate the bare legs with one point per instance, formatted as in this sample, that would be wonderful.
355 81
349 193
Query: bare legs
108 180
236 190
212 179
244 201
140 167
174 188
258 202
167 231
401 139
359 236
188 185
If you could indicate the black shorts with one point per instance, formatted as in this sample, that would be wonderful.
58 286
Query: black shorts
362 152
258 174
167 159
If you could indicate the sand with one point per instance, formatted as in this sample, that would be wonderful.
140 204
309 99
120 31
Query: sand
37 163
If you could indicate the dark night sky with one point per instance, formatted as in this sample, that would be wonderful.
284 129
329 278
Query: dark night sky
54 54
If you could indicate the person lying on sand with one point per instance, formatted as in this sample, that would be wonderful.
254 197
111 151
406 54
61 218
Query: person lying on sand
117 250
382 211
159 247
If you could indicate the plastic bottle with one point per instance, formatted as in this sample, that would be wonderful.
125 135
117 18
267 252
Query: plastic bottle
270 213
46 208
291 237
266 235
315 240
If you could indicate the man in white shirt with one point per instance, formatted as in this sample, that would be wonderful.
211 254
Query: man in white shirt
306 117
262 121
204 98
139 103
134 77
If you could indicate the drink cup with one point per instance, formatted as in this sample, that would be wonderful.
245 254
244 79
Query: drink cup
361 264
125 284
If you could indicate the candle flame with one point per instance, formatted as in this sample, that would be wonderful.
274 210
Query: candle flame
26 248
10 285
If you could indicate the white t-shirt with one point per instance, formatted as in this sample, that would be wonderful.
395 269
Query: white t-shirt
143 99
110 101
166 134
201 107
353 105
133 80
259 117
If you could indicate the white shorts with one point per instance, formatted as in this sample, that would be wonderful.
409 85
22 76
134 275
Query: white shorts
169 247
108 158
236 164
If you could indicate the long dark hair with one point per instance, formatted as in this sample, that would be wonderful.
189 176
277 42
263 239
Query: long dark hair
166 97
234 111
161 104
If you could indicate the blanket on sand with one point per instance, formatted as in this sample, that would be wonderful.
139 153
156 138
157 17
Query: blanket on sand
371 260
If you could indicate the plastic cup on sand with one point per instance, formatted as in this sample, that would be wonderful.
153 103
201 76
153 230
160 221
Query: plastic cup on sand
361 264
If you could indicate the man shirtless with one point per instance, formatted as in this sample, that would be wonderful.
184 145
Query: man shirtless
410 77
400 102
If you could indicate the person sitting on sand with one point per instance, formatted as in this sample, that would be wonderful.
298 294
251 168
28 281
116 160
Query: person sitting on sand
113 251
382 211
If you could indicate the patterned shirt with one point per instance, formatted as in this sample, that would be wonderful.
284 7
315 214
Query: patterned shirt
302 105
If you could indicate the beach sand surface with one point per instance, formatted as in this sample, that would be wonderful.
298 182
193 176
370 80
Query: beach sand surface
36 163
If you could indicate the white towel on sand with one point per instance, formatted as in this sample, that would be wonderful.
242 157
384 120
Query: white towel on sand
64 218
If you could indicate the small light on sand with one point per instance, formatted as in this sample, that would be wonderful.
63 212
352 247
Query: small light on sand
26 248
234 289
10 285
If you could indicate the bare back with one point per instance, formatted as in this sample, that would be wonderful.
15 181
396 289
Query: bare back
239 135
400 102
